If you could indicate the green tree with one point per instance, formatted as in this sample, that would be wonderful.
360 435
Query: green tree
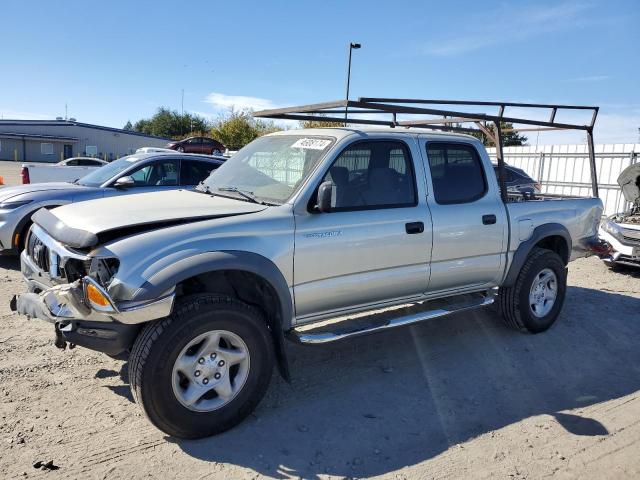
509 138
236 128
171 124
127 126
320 123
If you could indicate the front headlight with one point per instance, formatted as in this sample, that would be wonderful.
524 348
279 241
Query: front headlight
104 269
8 205
610 227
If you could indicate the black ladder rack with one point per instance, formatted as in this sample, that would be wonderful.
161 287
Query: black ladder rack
441 119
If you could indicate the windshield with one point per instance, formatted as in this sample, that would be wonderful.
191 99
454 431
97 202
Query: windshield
104 173
270 169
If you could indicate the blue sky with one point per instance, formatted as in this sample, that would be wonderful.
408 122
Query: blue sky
114 61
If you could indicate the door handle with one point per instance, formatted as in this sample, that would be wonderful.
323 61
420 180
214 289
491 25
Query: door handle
414 227
488 219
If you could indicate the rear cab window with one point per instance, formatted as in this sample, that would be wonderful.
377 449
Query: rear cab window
457 173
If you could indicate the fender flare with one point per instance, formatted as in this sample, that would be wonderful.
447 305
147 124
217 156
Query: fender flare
206 262
524 249
27 218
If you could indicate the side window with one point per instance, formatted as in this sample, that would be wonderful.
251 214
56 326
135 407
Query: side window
72 163
194 141
456 172
193 172
88 163
373 175
162 173
509 175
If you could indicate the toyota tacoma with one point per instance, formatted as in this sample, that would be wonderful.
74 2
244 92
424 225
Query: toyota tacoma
309 236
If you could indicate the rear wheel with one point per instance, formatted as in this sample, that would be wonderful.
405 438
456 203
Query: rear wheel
180 149
204 368
534 302
215 151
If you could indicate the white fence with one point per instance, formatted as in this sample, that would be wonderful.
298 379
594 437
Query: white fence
564 169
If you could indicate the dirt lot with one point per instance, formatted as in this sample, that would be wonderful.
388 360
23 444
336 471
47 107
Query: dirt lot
455 398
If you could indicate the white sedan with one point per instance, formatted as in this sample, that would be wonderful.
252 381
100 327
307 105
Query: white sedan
65 171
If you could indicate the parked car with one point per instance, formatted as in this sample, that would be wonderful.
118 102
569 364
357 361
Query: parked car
65 171
128 175
291 238
153 150
622 230
204 145
518 181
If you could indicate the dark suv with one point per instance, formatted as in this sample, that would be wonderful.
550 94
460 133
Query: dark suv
205 145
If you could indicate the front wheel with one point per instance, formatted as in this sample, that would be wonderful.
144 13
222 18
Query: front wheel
204 368
534 302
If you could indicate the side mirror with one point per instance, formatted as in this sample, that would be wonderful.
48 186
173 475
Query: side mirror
124 182
325 195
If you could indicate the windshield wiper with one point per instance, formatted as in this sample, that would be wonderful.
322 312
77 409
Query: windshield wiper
244 193
203 188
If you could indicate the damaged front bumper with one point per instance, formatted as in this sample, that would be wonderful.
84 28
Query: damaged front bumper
110 328
622 253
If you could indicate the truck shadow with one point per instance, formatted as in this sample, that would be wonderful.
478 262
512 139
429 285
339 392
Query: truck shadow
379 403
627 270
10 262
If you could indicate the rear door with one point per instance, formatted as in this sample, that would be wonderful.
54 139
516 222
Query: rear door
469 218
374 246
193 145
209 146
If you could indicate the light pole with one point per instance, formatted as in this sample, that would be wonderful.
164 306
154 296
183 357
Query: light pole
352 46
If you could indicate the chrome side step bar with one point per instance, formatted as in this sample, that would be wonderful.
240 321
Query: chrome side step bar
378 320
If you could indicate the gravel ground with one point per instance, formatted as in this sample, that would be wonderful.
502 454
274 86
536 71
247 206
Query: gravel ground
454 398
10 172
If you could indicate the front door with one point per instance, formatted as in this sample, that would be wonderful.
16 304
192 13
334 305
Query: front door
469 218
68 151
150 177
375 243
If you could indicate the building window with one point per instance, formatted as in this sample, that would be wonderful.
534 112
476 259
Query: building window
91 150
0 145
46 148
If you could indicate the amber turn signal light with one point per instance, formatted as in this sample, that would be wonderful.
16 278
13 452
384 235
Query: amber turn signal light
95 296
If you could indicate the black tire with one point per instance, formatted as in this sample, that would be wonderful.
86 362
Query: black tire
180 149
23 236
215 151
159 344
514 301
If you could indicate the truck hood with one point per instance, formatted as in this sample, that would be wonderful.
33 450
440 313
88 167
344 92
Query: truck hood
629 181
9 192
85 224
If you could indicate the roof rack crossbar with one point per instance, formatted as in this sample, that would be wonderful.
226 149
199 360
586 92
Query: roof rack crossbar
470 102
386 108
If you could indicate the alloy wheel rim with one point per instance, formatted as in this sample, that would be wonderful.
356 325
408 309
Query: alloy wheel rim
543 293
210 371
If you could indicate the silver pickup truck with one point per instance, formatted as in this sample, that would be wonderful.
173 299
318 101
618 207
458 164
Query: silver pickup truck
304 235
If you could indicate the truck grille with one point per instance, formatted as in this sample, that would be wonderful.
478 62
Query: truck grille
40 254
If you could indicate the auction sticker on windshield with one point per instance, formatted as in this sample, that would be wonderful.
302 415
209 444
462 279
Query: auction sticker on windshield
311 143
